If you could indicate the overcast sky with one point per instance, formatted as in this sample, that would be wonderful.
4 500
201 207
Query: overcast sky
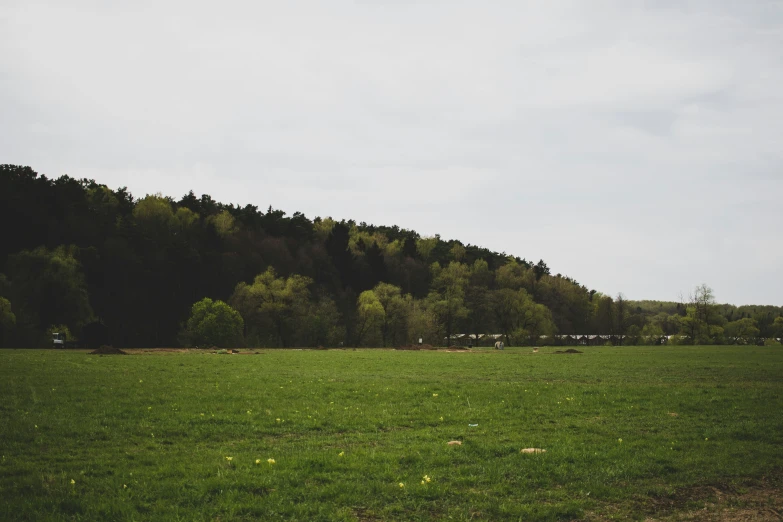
636 146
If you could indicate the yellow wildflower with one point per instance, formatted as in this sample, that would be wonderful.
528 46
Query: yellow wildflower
229 459
270 461
620 440
341 454
401 485
434 394
427 478
73 481
258 461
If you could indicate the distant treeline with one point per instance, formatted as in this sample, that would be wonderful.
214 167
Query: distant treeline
155 269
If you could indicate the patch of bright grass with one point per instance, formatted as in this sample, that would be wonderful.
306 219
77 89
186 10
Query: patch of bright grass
332 435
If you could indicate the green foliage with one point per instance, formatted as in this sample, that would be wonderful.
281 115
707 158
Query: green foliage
651 334
155 214
140 265
59 328
323 325
458 252
274 307
777 327
742 331
514 276
426 245
394 326
322 228
7 321
48 287
213 323
447 300
519 318
7 316
370 316
186 218
224 223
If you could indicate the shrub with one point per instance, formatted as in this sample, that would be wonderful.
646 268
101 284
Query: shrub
213 323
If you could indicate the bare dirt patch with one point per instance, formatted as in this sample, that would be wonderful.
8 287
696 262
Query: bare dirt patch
416 347
752 500
749 501
108 350
713 504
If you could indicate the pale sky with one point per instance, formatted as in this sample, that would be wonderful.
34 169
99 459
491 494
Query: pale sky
636 146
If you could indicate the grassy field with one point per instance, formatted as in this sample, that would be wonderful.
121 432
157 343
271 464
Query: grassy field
362 434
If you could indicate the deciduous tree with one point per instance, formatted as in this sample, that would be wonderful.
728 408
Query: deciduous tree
272 306
213 323
447 300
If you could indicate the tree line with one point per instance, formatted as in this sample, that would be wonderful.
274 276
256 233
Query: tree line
164 272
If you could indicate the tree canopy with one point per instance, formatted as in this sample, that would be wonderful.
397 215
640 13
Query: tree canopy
75 251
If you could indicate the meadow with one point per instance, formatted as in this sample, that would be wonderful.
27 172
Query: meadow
629 432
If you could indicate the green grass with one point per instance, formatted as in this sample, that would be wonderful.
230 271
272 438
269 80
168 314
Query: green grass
147 436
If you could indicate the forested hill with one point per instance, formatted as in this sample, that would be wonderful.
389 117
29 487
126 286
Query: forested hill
75 251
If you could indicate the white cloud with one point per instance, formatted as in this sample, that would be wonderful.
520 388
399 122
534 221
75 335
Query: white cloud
544 129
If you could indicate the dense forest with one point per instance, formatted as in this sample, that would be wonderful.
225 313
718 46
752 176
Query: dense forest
163 272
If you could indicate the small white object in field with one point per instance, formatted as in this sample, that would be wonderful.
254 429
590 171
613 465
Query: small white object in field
532 450
472 425
455 443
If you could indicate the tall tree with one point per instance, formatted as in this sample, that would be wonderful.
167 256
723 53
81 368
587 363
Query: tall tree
478 299
393 327
273 307
342 257
742 331
370 316
621 316
519 318
447 300
603 316
48 287
7 321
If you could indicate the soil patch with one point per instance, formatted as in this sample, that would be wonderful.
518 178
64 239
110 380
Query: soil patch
416 347
721 504
570 350
108 350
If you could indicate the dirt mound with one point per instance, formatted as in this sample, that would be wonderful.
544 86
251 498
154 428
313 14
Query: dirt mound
108 350
416 347
570 350
458 348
